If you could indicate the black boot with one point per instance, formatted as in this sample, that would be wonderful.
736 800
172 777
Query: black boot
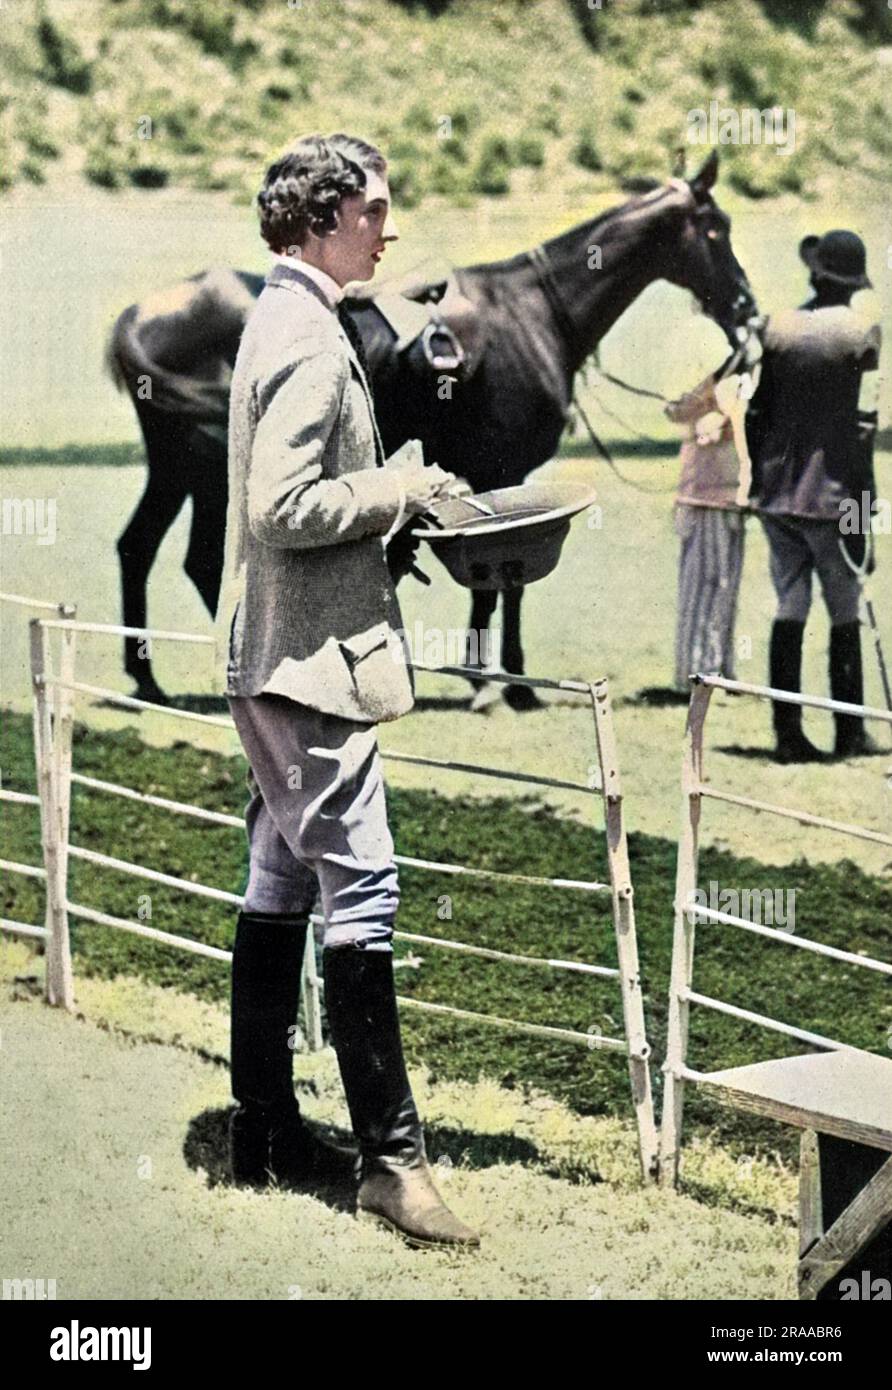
268 1136
785 673
847 685
396 1185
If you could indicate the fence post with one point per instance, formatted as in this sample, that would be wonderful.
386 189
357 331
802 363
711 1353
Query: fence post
683 936
624 927
309 989
59 980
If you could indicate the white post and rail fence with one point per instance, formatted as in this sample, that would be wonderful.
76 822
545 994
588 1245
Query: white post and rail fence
54 693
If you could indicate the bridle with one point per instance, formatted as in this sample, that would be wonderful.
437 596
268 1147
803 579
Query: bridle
541 263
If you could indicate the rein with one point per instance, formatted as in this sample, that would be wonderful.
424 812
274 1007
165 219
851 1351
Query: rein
545 273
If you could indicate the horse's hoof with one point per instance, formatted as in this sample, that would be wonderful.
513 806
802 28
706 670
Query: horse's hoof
522 697
486 698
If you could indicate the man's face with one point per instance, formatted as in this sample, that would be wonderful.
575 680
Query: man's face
365 226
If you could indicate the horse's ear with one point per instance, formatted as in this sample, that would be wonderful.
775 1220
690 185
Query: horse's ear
679 162
704 180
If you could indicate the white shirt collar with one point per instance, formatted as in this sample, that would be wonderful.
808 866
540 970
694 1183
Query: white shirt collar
330 288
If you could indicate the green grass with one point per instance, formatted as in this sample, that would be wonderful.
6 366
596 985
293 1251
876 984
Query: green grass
124 1110
80 90
845 908
74 455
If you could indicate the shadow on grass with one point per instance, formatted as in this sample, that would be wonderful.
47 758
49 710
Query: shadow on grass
741 750
656 697
427 704
200 704
196 704
206 1147
72 455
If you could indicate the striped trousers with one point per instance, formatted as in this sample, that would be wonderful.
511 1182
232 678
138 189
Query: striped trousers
710 567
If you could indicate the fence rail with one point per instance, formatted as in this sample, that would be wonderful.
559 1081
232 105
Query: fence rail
688 912
54 694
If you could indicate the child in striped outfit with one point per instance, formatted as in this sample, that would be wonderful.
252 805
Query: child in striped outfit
710 526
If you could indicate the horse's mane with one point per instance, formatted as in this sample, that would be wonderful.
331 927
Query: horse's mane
646 190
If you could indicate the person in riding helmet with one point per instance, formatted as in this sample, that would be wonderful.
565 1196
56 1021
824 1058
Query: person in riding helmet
810 441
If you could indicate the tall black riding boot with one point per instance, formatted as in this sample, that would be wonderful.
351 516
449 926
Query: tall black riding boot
396 1186
267 1133
785 673
847 684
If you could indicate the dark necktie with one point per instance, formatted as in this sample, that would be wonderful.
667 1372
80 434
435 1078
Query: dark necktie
353 333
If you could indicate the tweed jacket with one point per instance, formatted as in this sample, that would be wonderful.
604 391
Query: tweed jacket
307 607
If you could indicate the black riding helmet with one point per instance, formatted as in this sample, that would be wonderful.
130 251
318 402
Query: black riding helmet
839 256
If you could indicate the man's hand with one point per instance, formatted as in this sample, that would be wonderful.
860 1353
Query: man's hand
425 485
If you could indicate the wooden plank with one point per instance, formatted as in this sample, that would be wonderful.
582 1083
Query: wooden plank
683 937
310 994
59 981
811 1220
859 1223
624 927
847 1094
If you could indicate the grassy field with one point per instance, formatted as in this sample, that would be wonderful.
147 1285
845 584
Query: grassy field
608 609
123 1112
552 107
471 96
837 904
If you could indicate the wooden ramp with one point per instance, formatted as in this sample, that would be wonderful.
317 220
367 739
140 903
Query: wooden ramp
847 1093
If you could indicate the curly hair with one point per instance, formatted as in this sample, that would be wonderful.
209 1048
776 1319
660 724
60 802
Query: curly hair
303 190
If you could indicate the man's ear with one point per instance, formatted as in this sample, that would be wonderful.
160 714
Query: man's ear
705 178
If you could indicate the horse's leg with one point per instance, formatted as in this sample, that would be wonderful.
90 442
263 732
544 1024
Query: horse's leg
155 513
519 697
204 556
477 645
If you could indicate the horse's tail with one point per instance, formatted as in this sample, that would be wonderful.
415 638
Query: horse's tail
115 348
132 369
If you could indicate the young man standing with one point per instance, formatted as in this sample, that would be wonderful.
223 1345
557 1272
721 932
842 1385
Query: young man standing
311 625
812 462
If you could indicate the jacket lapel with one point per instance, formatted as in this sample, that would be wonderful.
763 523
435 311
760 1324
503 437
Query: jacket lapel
289 277
357 365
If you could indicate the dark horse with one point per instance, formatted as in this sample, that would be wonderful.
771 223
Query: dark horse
537 317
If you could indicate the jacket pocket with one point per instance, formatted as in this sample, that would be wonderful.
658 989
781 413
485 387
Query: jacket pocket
355 649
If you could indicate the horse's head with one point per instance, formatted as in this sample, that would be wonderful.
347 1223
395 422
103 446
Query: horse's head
702 259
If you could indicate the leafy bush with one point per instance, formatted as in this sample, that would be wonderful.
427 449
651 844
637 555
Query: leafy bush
454 149
404 185
148 175
63 64
529 150
464 117
419 119
548 118
447 178
492 171
102 169
585 151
